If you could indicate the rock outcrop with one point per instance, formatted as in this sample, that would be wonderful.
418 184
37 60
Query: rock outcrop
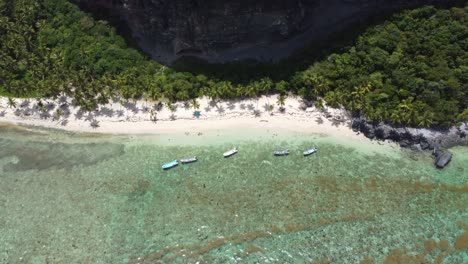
416 138
442 159
222 30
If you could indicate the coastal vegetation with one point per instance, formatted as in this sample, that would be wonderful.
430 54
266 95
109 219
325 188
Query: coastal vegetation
410 70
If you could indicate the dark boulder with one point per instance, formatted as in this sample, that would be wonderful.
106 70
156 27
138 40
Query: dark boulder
424 143
416 147
367 129
405 143
356 125
443 159
383 131
410 138
394 135
370 134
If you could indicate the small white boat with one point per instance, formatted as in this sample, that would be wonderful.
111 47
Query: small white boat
188 160
170 165
230 152
310 151
284 152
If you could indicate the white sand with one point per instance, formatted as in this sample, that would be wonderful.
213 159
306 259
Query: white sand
134 118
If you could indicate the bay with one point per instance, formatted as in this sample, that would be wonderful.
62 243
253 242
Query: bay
83 198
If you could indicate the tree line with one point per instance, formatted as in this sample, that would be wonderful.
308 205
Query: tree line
410 70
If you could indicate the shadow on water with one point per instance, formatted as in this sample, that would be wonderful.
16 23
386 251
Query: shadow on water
33 149
43 156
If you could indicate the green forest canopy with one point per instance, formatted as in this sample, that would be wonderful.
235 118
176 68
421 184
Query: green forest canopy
410 70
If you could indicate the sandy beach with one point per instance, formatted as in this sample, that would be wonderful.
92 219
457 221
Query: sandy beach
144 117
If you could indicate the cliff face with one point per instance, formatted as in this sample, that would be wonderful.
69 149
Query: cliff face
221 30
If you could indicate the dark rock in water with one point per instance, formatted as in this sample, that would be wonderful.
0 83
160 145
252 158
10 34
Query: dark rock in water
424 144
416 139
367 129
394 135
383 131
442 159
416 147
356 124
405 143
370 134
229 30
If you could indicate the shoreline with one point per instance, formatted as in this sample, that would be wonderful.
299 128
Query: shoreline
144 117
148 118
136 117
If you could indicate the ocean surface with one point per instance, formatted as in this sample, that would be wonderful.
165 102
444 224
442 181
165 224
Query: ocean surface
82 198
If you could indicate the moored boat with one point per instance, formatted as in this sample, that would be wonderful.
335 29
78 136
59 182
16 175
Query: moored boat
283 152
310 151
170 165
188 160
230 152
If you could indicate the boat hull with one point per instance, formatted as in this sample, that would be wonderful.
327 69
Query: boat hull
188 160
230 153
281 153
170 165
310 152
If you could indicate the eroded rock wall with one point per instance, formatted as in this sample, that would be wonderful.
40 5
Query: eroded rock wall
221 30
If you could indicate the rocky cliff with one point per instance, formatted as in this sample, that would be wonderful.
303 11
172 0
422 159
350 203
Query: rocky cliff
221 30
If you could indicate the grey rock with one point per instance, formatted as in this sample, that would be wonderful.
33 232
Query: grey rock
416 139
405 143
443 159
370 134
424 144
303 106
416 147
356 125
383 131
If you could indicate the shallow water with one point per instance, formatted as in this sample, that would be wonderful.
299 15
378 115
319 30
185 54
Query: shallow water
71 198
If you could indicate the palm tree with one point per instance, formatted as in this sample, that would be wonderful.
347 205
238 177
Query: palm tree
58 113
426 119
281 102
396 117
103 98
153 115
252 92
271 108
319 104
321 85
11 102
406 110
281 87
215 94
154 94
362 90
40 105
195 104
463 117
170 106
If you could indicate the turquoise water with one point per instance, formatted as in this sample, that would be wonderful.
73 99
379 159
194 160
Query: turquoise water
71 198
